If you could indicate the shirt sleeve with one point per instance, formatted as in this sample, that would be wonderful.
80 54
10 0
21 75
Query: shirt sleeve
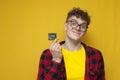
48 69
101 74
96 66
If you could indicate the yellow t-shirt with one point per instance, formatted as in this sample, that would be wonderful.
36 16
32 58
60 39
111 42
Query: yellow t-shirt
74 63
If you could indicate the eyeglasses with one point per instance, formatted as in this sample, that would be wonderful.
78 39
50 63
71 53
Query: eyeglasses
74 23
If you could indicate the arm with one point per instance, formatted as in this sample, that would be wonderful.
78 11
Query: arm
95 65
101 74
50 62
48 69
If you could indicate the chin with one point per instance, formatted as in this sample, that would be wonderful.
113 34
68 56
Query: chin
75 38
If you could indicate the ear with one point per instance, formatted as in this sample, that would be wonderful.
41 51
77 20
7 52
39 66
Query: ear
65 26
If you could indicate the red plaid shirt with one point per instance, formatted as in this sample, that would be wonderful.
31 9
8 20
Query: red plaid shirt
50 70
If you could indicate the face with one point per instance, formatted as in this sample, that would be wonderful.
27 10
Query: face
75 28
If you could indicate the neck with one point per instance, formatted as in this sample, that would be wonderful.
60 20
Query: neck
72 45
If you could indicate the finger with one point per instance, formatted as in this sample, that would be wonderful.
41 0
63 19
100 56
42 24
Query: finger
54 42
57 45
51 45
59 48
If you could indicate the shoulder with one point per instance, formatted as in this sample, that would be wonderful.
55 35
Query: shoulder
46 54
94 55
91 51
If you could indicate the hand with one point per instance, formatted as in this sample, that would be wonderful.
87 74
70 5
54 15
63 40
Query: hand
55 49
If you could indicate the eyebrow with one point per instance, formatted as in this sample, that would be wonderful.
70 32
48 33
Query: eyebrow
77 22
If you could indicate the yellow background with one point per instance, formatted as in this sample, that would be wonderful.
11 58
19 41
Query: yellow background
25 24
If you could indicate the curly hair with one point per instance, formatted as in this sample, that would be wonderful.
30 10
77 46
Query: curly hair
79 14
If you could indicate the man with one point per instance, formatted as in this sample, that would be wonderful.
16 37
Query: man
71 59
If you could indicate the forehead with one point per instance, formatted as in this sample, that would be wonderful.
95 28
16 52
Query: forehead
79 20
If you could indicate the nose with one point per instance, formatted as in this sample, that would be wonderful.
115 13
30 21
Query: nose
78 27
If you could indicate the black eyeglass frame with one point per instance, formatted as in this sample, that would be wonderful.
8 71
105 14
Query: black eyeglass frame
74 23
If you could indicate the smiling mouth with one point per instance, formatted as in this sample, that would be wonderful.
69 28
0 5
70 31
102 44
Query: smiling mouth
76 32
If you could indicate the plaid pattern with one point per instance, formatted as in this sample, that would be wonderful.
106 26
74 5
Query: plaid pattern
50 70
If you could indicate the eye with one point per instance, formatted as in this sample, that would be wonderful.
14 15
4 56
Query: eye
84 26
73 23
